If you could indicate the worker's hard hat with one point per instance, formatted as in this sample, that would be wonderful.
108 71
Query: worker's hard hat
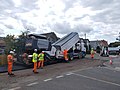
35 50
92 48
11 52
14 50
42 51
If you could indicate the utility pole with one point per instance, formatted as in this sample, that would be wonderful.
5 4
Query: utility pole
85 35
118 37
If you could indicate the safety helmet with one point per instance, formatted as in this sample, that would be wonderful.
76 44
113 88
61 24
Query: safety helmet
35 50
11 52
42 51
14 50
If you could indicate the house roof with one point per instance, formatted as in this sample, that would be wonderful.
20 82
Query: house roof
37 36
100 42
50 33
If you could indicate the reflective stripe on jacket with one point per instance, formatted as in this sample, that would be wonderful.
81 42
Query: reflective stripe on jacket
41 56
35 55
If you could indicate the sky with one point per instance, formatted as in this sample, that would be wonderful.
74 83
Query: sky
98 19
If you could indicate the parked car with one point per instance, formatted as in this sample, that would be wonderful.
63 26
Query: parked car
113 50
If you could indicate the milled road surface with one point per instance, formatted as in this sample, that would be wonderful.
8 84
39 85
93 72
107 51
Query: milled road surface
27 76
76 75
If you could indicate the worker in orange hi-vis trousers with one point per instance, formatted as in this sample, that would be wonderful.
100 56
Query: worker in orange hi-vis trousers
41 60
35 56
10 62
65 53
92 53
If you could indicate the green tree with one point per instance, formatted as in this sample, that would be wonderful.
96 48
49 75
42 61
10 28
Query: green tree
10 43
114 44
16 43
24 34
21 41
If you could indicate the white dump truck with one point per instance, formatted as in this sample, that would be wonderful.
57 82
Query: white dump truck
70 42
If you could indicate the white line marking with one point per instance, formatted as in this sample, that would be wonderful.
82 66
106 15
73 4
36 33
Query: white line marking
60 76
47 79
14 88
72 72
81 69
69 74
31 84
97 79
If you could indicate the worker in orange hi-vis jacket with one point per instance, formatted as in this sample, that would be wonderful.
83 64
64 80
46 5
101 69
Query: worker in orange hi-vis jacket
92 53
65 53
41 60
10 62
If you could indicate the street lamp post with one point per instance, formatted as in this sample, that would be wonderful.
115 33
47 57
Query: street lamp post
85 35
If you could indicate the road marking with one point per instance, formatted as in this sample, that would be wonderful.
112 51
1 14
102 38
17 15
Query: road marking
31 84
16 88
81 69
69 74
97 79
47 79
60 76
72 72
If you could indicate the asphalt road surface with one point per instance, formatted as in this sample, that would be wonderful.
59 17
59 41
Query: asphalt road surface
96 78
76 75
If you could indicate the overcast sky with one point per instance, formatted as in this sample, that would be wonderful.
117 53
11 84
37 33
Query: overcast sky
99 19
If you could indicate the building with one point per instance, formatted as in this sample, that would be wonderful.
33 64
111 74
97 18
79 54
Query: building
101 46
2 45
98 43
51 36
